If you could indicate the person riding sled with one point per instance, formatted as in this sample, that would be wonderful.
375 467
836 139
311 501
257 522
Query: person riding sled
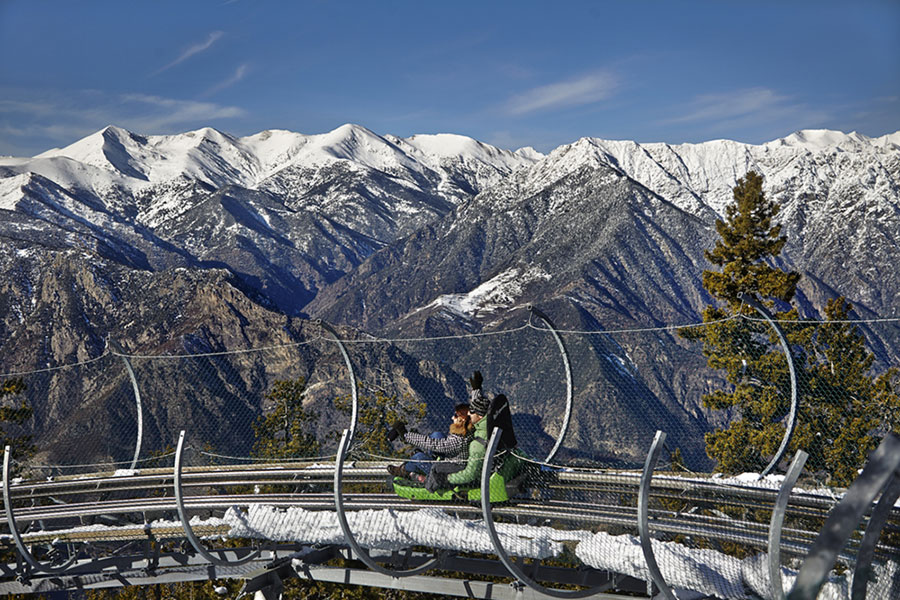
452 446
458 478
485 415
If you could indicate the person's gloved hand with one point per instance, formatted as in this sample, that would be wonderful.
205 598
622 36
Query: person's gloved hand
476 380
397 430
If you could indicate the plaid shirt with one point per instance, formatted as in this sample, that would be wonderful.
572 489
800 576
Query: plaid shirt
453 446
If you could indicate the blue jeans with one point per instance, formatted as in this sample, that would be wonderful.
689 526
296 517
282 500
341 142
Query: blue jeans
420 462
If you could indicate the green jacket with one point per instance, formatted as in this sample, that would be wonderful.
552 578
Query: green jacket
477 450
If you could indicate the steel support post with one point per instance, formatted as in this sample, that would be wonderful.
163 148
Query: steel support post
514 568
117 350
567 417
777 522
863 569
354 415
345 526
789 357
643 513
185 522
14 531
845 517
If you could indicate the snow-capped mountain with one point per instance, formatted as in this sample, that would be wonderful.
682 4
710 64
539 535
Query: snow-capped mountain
444 234
114 161
840 196
611 235
289 212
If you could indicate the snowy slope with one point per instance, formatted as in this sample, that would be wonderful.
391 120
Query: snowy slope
206 155
288 211
696 176
220 159
160 176
840 193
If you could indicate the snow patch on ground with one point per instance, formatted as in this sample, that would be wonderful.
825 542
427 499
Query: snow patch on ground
684 568
195 522
620 365
694 569
498 293
11 191
394 530
772 482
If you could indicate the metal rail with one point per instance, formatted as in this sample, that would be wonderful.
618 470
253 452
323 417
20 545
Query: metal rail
487 510
600 482
117 349
643 518
14 531
797 543
604 500
345 526
776 523
791 423
863 569
285 561
567 415
611 485
354 393
845 517
186 523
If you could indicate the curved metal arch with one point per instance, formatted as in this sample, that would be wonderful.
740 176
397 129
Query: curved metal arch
777 521
792 415
863 568
515 570
845 517
567 417
354 415
137 398
643 509
345 526
14 531
185 523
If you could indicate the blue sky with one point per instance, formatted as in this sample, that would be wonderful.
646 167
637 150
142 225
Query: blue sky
508 73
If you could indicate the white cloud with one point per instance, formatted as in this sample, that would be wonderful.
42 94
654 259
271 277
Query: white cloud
238 74
160 113
191 51
26 107
574 92
31 125
56 118
761 109
730 105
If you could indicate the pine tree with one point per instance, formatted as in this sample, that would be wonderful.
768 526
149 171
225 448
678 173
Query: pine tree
844 409
745 350
841 405
13 415
748 238
378 412
285 430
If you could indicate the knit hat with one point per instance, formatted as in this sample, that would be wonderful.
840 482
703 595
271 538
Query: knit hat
478 404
